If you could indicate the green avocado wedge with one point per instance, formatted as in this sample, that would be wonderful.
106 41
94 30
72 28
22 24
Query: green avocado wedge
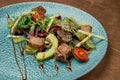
41 56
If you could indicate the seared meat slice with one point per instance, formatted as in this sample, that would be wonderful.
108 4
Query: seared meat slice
75 41
18 32
63 52
39 9
86 28
64 35
36 43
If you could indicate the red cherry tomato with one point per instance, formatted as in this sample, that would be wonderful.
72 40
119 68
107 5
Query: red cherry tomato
80 54
38 16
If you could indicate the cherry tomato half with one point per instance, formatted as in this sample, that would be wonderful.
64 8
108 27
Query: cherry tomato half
38 15
80 54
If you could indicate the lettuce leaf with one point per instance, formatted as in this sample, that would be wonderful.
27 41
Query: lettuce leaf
69 24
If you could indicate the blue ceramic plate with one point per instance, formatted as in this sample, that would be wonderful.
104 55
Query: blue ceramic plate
8 68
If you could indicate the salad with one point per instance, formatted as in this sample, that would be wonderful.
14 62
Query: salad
50 37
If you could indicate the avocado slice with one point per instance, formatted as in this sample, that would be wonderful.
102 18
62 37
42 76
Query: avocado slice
41 56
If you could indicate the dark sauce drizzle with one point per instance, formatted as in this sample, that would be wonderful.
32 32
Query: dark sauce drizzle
40 65
15 56
55 66
24 62
69 66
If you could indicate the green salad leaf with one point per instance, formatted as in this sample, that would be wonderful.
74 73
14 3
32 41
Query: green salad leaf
43 23
19 40
10 23
89 44
56 21
69 24
79 35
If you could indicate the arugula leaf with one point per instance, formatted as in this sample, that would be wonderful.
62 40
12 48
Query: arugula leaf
25 22
43 24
